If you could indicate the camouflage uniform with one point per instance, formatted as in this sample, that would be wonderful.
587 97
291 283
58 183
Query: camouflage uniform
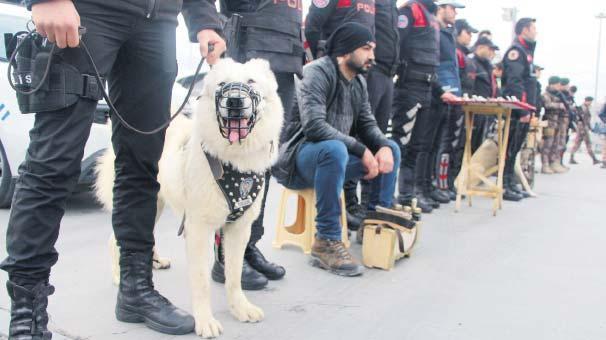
554 135
583 132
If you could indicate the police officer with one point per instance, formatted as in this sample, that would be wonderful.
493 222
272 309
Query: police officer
414 124
519 80
270 30
484 86
322 20
448 76
133 45
326 15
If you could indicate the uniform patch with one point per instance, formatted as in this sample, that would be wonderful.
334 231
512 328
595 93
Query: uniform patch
402 21
513 55
321 3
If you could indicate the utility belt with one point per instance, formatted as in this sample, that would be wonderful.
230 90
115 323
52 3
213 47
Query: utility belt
408 75
44 82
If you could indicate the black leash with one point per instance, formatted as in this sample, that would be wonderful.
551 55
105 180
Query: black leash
97 76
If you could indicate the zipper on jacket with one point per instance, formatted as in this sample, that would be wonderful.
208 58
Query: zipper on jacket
150 9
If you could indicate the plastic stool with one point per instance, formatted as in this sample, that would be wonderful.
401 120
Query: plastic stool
301 232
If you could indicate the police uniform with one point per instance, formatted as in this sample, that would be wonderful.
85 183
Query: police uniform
519 80
583 133
271 30
485 86
133 46
326 15
448 76
414 123
554 111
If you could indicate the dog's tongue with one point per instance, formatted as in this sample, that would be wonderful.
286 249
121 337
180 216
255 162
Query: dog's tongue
237 130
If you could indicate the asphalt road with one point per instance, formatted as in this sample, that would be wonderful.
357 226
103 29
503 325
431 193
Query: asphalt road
536 271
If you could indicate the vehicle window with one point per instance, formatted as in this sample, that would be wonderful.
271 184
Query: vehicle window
9 24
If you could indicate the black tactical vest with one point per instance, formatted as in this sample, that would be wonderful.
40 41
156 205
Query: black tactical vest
424 42
359 11
273 32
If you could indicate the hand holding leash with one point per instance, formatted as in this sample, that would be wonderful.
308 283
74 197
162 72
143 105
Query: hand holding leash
58 21
212 45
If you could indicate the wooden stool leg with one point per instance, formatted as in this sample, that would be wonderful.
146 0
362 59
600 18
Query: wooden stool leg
280 227
344 229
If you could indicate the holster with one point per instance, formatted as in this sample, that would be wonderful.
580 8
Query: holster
61 86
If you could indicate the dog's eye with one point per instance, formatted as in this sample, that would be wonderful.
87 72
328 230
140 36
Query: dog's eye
251 81
221 84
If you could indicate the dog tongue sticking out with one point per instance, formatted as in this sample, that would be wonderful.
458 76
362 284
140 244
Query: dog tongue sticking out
237 130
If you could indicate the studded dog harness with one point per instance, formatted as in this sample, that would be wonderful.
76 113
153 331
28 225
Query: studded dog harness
240 189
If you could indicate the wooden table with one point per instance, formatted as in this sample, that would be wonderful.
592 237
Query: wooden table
491 189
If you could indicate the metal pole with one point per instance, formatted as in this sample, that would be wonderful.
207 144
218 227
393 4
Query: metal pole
597 67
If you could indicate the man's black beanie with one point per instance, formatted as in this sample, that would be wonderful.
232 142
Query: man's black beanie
348 38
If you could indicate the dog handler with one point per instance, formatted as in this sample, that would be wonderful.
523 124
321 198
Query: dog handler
133 45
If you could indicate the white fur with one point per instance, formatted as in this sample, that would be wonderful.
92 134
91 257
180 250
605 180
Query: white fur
188 187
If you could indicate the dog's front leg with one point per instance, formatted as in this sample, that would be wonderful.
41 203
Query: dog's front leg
236 236
197 237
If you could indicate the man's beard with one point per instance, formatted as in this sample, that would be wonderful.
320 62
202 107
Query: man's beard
359 69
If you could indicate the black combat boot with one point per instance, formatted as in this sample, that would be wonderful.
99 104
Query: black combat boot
508 193
355 212
139 302
258 262
572 160
251 279
440 196
29 319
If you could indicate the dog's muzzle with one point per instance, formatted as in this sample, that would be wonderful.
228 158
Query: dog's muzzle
236 106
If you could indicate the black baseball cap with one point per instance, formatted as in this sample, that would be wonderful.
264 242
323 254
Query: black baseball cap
484 41
589 99
462 24
523 23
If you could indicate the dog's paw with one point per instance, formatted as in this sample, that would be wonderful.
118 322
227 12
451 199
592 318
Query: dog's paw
161 263
208 327
247 312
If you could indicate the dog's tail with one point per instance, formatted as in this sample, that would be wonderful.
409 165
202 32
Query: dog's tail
104 182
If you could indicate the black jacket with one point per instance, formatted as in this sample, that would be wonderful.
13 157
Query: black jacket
198 14
388 40
467 69
519 78
326 15
484 84
328 107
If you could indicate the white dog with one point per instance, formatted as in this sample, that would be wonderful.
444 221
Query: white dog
228 134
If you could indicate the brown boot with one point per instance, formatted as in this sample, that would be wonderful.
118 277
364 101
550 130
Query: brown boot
334 257
546 169
558 168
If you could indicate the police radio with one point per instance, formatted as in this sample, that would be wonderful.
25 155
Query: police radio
44 82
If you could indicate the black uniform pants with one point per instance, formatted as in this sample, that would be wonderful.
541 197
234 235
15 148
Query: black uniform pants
414 133
380 96
517 136
286 91
444 142
138 58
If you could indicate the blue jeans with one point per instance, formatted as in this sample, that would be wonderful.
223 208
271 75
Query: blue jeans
325 166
